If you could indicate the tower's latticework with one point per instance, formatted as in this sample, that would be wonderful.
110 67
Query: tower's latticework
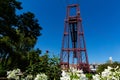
73 52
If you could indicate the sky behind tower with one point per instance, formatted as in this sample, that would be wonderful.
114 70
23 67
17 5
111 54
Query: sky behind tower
100 20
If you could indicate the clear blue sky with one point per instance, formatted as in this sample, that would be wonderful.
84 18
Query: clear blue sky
100 19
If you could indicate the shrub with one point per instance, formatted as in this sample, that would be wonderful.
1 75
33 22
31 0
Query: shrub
47 65
104 66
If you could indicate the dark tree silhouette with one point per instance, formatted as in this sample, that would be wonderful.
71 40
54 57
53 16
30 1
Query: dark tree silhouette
18 35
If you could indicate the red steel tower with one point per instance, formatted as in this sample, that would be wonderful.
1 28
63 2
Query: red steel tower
73 52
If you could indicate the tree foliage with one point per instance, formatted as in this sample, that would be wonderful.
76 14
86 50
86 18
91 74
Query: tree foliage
18 35
47 65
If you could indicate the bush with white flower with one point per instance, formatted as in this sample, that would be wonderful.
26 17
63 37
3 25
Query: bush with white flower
65 76
29 77
13 74
73 74
108 74
41 76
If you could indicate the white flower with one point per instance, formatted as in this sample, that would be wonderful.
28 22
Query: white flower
65 76
83 77
29 77
63 73
109 68
108 74
12 74
41 76
113 78
116 67
73 74
96 77
79 71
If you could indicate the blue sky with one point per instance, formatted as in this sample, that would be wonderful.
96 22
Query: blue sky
100 19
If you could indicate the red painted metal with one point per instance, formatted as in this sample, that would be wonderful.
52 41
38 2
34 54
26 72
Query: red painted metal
73 51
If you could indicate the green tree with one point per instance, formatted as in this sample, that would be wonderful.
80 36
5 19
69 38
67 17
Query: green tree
7 21
18 35
47 65
54 70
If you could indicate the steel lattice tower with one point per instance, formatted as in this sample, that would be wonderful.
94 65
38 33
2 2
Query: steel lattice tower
73 52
